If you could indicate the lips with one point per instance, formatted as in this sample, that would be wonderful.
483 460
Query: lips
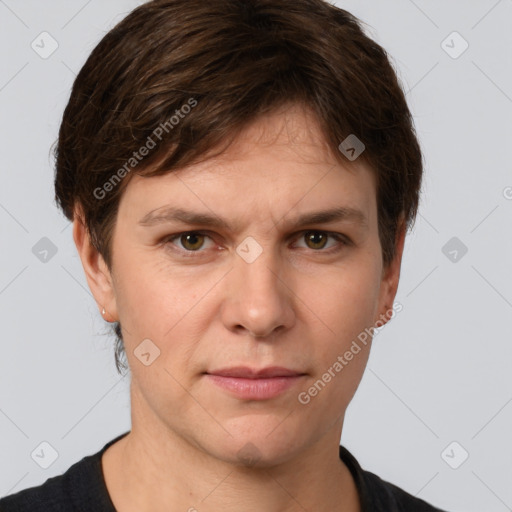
245 372
247 383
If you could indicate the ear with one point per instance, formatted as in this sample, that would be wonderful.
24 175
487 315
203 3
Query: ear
98 276
391 277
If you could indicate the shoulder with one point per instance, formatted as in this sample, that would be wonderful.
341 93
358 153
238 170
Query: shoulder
81 487
53 494
385 493
378 495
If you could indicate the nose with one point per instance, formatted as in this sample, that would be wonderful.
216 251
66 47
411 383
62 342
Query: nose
259 300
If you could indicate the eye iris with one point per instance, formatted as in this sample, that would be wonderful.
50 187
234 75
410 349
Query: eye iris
312 236
191 239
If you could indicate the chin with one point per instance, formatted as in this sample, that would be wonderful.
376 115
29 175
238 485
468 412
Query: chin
262 446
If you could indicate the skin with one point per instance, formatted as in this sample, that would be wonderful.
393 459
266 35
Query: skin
295 306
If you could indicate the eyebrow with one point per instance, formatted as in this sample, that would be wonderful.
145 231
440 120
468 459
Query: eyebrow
173 214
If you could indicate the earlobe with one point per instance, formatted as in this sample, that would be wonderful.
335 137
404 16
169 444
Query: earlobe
98 276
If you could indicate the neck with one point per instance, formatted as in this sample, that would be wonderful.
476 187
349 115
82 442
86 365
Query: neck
154 469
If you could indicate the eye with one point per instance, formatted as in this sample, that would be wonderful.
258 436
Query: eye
191 241
317 240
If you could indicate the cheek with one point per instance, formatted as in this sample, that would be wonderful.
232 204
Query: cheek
340 352
348 309
174 309
348 299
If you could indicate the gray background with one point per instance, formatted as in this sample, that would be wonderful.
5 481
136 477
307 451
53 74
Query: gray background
438 373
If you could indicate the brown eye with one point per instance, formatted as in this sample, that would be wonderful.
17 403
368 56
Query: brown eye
324 242
192 241
189 243
317 239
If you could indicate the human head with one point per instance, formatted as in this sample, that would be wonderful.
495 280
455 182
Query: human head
167 65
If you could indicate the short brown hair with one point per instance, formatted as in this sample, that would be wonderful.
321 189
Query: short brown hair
218 65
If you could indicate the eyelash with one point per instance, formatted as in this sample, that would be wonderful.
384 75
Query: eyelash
343 240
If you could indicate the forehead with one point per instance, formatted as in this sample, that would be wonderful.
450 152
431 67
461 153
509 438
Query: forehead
278 163
291 132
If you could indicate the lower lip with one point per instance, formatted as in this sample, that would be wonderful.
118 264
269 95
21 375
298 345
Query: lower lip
255 389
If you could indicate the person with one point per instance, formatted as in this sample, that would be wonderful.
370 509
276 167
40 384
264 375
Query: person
241 175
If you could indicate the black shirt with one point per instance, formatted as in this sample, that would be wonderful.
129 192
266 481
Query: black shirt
82 488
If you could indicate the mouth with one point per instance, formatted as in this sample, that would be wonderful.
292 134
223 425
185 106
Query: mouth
255 384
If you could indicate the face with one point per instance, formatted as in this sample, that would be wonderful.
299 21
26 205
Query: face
253 286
